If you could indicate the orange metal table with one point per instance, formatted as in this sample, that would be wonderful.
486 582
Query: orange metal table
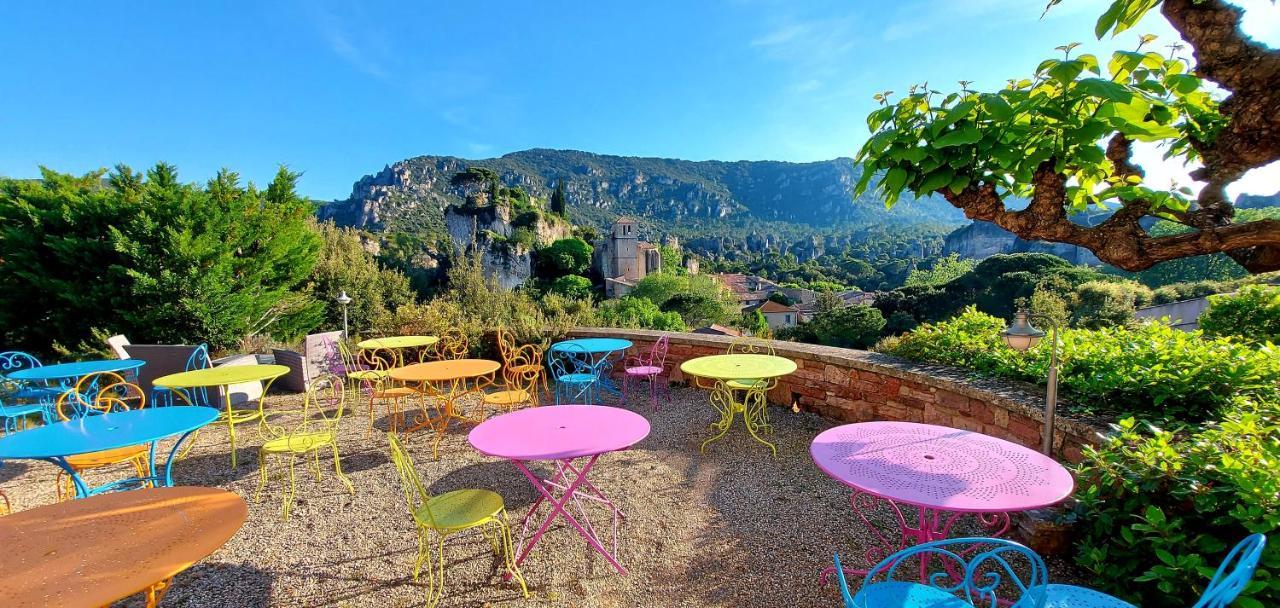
96 550
444 381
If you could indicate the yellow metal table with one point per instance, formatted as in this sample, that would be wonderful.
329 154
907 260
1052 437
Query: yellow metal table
223 378
97 550
739 384
397 343
445 381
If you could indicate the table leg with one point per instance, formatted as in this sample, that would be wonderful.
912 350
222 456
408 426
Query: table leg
725 401
558 508
930 525
168 463
82 490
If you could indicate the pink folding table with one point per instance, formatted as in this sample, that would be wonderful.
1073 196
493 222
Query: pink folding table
563 434
944 473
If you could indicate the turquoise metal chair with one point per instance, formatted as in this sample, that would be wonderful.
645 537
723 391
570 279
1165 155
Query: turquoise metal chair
576 374
198 359
14 360
1231 578
953 573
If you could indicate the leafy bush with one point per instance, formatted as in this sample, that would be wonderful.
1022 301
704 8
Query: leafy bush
1151 369
566 256
1100 304
697 309
943 270
640 313
855 326
153 258
1159 509
572 286
1252 314
345 265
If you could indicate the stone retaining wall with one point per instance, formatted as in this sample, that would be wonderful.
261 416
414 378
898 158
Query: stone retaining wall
856 386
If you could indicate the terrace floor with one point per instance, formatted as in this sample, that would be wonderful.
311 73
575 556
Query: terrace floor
731 528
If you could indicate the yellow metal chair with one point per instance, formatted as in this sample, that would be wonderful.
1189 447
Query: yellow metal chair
381 361
453 344
521 372
448 514
98 394
318 429
751 346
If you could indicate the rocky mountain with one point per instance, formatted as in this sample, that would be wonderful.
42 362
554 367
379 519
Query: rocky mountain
685 198
981 240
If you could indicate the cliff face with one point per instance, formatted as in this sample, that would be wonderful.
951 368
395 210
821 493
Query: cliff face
414 192
981 240
489 231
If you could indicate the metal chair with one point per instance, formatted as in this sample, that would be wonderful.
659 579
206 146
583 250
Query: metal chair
14 360
448 514
380 362
521 373
1231 578
577 377
650 366
198 359
747 345
316 430
18 416
93 395
507 347
953 573
453 344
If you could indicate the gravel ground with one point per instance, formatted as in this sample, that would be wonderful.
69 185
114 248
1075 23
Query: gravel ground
733 527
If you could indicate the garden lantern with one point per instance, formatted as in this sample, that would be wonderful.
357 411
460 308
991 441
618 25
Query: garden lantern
345 301
1021 335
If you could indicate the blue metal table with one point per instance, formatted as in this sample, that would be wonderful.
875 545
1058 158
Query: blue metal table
56 442
602 351
64 373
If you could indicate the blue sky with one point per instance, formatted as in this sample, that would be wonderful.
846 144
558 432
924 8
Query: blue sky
338 90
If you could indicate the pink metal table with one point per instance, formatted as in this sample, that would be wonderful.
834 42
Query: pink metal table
943 473
563 434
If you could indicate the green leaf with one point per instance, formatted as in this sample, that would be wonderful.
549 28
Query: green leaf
997 107
1106 89
953 115
1066 71
1108 19
894 180
1183 84
938 179
964 135
958 184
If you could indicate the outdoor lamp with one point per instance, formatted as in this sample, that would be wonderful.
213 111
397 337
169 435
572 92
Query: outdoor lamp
1022 335
344 300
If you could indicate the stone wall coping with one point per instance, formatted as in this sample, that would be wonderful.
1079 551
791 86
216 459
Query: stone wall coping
1022 398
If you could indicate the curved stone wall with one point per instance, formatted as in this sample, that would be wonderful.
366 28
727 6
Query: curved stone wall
856 386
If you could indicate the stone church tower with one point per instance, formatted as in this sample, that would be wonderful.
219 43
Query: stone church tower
625 250
622 258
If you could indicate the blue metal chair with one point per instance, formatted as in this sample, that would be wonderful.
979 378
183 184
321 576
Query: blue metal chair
577 376
953 573
198 359
14 360
1222 589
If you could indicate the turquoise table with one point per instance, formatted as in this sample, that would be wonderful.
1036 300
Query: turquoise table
110 431
602 352
65 372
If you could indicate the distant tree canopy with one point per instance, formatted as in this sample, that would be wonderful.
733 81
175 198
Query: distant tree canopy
153 258
344 265
943 270
566 256
572 286
1063 139
559 203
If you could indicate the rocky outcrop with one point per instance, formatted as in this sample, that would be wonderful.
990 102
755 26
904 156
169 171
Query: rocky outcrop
981 240
489 231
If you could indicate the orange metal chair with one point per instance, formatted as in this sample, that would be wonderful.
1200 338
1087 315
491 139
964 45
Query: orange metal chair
520 376
453 344
380 361
96 394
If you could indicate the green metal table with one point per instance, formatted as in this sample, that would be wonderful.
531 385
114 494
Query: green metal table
739 384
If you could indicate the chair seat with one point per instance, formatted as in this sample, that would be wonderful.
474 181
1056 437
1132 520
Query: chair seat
1071 596
398 391
37 392
576 378
106 457
745 384
459 509
899 594
367 374
298 443
506 397
24 409
644 370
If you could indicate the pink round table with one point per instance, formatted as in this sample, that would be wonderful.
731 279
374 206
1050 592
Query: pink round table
563 434
943 472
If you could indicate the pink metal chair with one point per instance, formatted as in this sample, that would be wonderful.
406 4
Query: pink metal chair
650 366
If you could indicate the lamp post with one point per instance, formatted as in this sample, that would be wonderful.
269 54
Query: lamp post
1022 335
344 300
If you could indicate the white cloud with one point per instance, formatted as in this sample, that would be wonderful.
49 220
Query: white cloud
1161 173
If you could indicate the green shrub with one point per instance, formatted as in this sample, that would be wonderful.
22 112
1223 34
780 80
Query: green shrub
849 327
1151 369
572 286
1252 314
1159 509
1100 304
641 313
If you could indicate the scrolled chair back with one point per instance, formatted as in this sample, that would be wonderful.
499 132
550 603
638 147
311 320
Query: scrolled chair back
1234 573
985 572
381 359
416 496
12 361
99 393
747 345
506 343
569 358
658 356
453 344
